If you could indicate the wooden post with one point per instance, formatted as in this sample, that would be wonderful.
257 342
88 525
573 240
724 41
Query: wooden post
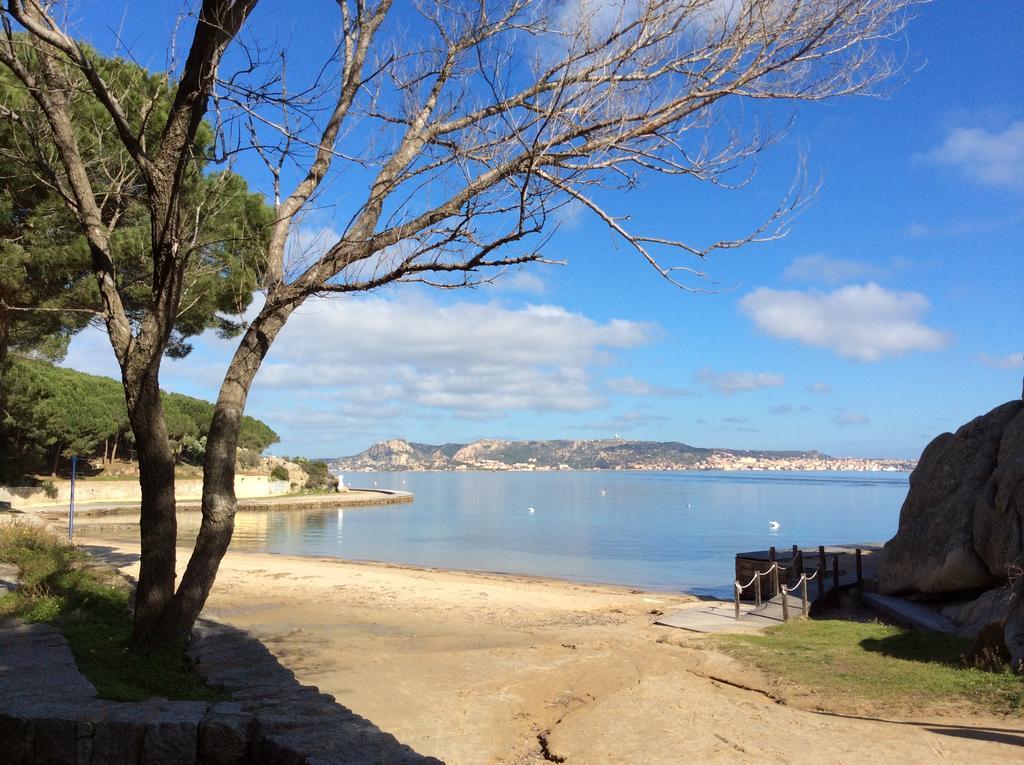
821 579
738 590
860 572
775 580
803 603
798 562
835 572
757 588
785 603
771 553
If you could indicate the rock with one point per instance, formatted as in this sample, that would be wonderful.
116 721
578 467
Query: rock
118 739
988 651
961 524
297 476
172 731
1013 635
971 616
224 735
9 577
15 739
55 739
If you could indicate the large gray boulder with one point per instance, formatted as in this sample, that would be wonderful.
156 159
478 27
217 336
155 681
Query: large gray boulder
961 525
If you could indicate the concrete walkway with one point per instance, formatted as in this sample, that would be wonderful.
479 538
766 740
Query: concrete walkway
909 613
721 616
352 498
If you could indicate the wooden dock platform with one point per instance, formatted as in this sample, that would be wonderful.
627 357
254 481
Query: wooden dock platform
721 616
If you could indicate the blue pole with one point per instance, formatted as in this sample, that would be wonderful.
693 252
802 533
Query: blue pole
71 511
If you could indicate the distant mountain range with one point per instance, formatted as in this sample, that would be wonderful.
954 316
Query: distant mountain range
605 454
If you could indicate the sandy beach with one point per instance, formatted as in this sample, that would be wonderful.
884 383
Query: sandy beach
478 668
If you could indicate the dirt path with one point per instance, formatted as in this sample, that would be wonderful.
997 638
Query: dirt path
478 668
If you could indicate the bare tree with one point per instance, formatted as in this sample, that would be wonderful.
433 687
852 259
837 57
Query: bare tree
468 123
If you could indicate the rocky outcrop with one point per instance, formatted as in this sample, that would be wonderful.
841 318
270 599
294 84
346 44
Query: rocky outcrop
297 476
961 524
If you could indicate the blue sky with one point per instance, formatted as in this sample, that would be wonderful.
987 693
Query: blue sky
890 313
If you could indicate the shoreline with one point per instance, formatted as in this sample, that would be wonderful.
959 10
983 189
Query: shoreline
87 540
510 577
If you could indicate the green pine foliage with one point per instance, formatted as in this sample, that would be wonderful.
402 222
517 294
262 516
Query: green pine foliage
48 413
45 262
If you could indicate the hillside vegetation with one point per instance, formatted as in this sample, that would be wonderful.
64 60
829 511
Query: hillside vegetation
48 414
602 454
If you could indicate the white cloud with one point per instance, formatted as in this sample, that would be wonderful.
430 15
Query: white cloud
631 386
860 322
1009 361
991 158
845 418
627 421
828 270
90 351
732 382
475 360
818 387
518 281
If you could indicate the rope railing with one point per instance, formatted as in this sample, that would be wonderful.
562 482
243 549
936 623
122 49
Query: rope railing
784 589
820 573
773 570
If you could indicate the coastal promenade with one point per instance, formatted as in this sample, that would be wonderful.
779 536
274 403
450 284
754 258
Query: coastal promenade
87 513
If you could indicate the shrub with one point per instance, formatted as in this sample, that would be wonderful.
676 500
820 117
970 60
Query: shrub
193 450
319 477
49 489
279 473
248 458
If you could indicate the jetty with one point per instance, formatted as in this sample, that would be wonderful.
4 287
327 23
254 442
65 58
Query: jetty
775 585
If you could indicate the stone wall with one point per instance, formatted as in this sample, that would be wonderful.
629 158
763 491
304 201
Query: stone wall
273 719
246 486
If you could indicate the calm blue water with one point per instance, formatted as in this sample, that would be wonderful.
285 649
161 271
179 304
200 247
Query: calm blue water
674 531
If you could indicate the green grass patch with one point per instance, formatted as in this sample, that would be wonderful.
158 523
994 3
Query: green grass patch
89 604
870 661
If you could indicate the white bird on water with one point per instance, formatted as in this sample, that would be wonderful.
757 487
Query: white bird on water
603 492
773 525
531 509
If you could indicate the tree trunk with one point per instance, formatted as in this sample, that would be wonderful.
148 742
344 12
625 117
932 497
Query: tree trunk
113 450
158 525
219 500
